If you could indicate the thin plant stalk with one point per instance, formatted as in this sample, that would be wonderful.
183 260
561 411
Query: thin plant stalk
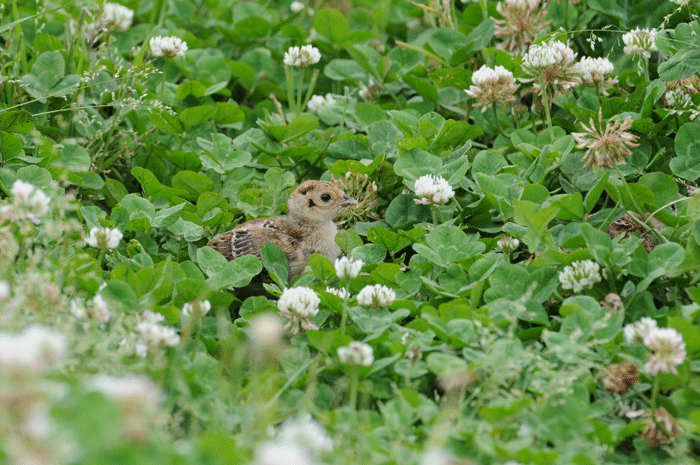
545 102
344 315
300 89
495 117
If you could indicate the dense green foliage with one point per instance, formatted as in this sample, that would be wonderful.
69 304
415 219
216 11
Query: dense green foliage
484 355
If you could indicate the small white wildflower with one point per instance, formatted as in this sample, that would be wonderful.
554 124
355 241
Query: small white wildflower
5 291
539 56
507 244
347 267
116 16
154 335
637 331
298 304
667 350
640 42
491 86
104 238
595 71
35 348
167 47
432 190
38 424
100 309
197 309
356 353
376 296
436 456
318 102
266 331
302 57
681 2
544 54
131 390
276 453
296 7
28 202
677 99
580 275
342 293
306 432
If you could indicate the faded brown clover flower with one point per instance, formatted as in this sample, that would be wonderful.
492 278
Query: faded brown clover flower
606 144
619 377
659 429
612 303
689 85
522 21
359 187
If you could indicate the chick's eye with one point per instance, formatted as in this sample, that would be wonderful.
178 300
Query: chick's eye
325 197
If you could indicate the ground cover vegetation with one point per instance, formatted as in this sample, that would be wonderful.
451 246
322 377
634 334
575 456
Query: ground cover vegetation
518 282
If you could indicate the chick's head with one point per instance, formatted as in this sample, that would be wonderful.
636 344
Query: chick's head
317 202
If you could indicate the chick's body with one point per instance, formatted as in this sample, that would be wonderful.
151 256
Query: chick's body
308 228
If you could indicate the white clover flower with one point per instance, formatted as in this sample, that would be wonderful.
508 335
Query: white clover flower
580 275
266 331
347 267
436 456
318 102
667 350
97 309
104 238
276 453
38 424
5 290
131 390
640 42
296 7
197 309
302 57
298 304
167 47
28 202
491 86
153 335
635 332
342 293
539 56
681 2
432 190
376 296
595 71
507 244
116 16
100 309
677 99
544 54
36 348
306 432
356 353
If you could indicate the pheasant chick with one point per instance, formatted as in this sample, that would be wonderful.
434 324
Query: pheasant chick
308 228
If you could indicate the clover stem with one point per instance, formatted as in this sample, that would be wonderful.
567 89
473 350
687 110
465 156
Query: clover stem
495 117
344 316
654 397
545 102
354 382
300 90
433 212
646 68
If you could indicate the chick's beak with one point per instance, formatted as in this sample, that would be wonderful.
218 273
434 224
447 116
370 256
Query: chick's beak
347 201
